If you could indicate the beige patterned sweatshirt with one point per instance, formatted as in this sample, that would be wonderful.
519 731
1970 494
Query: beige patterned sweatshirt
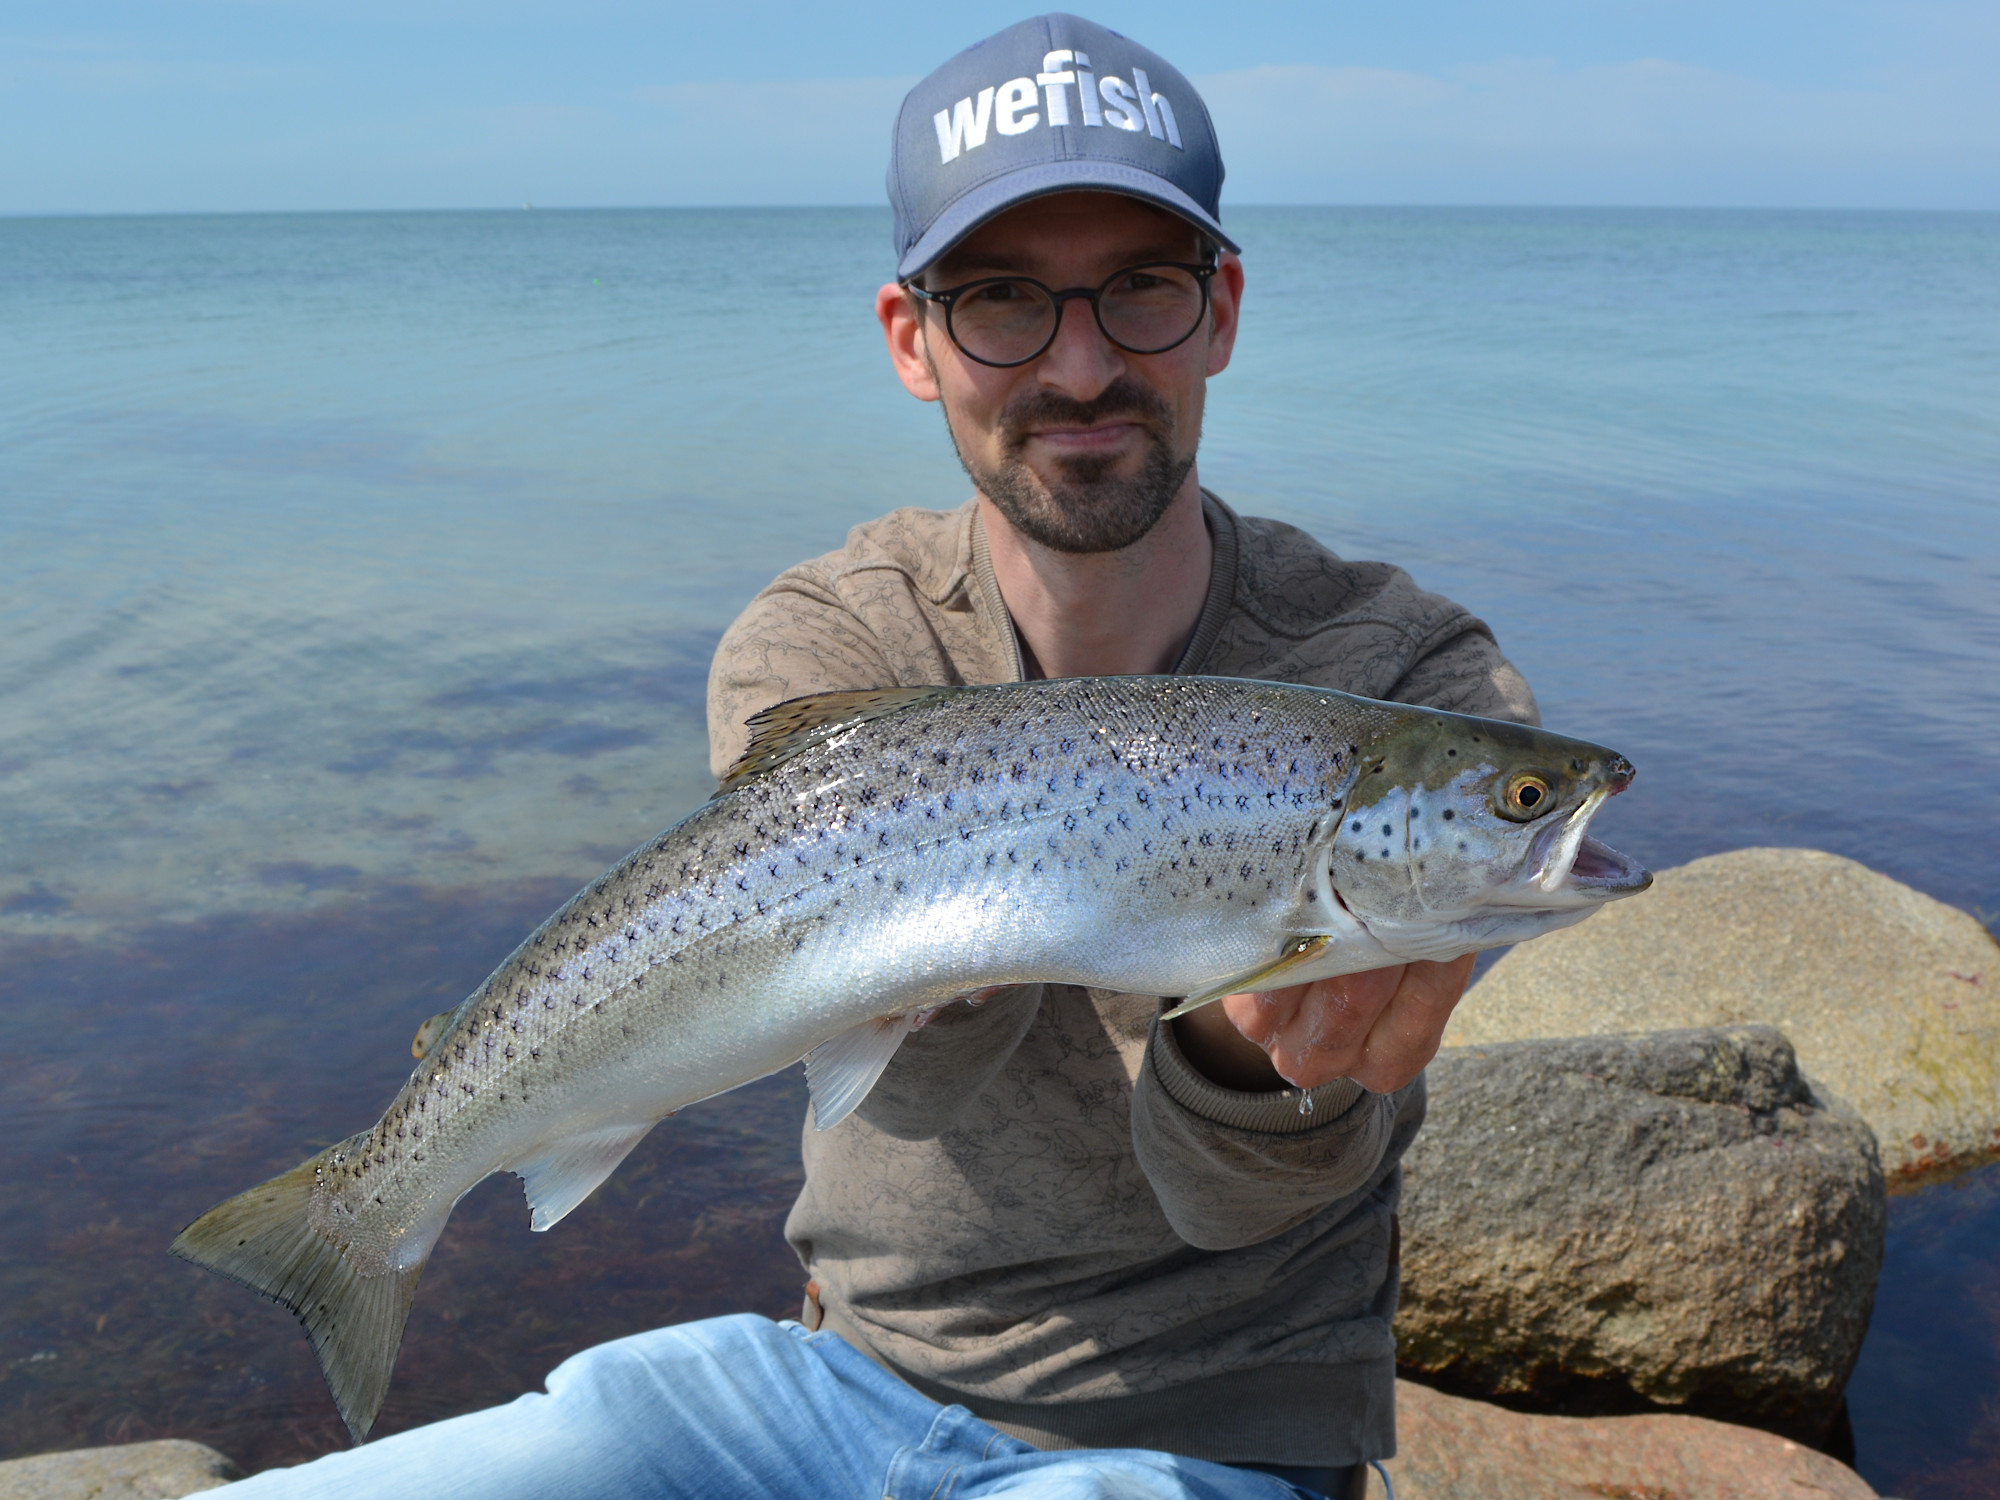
1042 1212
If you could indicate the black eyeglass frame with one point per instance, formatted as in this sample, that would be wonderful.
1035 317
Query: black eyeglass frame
948 299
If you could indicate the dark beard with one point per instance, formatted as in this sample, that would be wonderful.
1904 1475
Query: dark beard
1087 509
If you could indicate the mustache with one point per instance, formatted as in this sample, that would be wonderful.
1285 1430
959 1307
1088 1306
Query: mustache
1122 398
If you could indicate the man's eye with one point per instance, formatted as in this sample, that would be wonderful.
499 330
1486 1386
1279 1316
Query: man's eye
998 292
1139 281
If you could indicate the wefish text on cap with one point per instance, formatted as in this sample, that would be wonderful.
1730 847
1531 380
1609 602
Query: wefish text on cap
1122 105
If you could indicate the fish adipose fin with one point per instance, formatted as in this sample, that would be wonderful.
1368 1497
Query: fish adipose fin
428 1033
842 1069
566 1172
1296 952
785 729
264 1239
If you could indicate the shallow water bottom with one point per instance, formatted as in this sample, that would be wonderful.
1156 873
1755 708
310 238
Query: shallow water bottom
152 1077
166 1074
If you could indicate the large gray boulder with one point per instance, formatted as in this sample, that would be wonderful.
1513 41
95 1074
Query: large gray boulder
1892 998
1606 1224
163 1470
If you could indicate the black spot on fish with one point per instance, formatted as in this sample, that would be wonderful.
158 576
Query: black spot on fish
1449 815
1357 825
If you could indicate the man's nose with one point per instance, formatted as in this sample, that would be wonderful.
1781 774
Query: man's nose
1081 361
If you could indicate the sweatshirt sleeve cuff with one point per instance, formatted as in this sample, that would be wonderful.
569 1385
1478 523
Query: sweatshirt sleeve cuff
1276 1112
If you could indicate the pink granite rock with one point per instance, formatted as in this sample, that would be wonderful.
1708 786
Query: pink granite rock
1451 1449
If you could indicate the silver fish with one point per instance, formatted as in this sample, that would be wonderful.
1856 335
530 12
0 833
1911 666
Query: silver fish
876 855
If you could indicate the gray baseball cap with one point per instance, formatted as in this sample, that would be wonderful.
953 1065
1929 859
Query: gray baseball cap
1051 105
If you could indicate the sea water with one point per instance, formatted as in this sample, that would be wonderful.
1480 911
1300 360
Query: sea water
358 575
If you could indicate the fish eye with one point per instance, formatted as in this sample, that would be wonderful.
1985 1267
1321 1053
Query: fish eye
1526 796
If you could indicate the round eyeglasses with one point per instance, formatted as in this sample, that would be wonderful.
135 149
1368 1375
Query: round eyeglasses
1008 320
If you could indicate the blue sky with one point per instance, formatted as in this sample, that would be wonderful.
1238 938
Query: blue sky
190 105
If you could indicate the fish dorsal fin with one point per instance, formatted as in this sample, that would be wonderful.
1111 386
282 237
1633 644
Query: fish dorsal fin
785 729
562 1174
842 1069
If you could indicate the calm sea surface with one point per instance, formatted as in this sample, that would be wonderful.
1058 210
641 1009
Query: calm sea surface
358 575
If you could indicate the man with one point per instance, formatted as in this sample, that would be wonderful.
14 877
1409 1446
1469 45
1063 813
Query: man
1063 1248
1018 1218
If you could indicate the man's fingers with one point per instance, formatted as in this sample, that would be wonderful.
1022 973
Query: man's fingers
1379 1028
1407 1033
1315 1033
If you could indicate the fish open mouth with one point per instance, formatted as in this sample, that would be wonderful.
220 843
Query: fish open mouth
1571 861
1599 867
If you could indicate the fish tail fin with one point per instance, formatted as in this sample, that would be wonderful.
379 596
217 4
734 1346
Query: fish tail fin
264 1239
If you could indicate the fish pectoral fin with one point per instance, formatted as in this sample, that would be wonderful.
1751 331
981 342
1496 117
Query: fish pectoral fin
842 1069
565 1172
1296 952
785 729
428 1033
264 1238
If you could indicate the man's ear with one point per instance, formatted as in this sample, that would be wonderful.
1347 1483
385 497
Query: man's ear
902 320
1225 302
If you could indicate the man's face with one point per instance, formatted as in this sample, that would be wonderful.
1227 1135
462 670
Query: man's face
1085 446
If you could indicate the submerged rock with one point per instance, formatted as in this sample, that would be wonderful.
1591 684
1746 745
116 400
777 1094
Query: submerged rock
1891 998
1451 1449
1606 1224
163 1470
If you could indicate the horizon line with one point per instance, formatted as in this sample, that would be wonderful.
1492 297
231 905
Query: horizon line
883 209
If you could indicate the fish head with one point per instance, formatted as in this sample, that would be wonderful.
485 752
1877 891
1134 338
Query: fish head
1460 833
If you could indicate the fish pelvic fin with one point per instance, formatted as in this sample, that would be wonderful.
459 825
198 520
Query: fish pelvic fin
265 1239
785 729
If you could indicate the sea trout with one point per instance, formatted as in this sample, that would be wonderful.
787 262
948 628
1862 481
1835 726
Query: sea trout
876 855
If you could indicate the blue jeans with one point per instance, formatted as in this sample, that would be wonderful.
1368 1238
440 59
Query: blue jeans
739 1407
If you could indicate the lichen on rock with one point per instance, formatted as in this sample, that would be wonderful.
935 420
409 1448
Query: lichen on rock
1891 998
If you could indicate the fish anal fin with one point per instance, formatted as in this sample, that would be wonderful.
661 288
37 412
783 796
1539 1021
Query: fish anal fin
842 1069
563 1173
264 1239
785 729
1295 952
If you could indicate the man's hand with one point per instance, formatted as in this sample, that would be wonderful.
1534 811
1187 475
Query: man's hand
1379 1028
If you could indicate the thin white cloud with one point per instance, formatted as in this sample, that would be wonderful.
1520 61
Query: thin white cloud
818 140
96 64
1647 131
